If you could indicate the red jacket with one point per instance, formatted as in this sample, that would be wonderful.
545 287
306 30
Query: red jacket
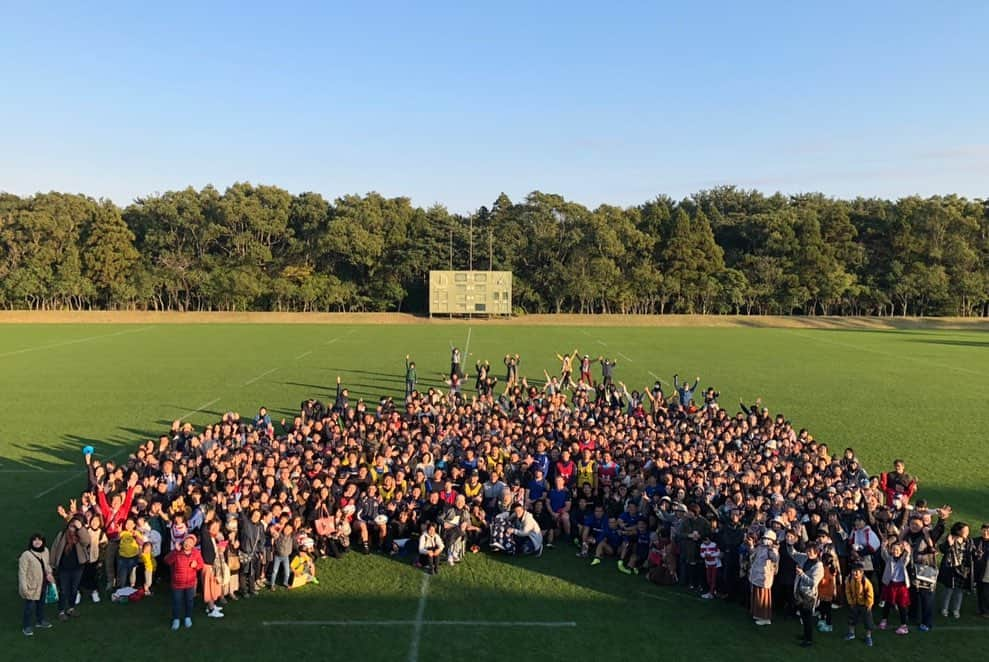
113 520
184 575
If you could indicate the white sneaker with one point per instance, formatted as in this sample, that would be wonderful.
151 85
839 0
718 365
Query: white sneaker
78 597
188 622
175 624
450 561
96 596
216 613
707 596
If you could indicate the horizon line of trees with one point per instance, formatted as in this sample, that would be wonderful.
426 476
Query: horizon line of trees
719 251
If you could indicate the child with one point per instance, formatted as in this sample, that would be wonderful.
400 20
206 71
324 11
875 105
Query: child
712 561
860 595
828 588
148 564
896 582
303 567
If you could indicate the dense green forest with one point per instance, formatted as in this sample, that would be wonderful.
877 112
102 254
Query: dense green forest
724 250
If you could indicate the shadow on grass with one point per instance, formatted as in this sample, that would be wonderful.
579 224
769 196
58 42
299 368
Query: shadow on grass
952 343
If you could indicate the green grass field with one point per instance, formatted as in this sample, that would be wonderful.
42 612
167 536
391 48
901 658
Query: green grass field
916 394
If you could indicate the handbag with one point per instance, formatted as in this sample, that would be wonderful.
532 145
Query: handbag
324 524
233 562
51 594
925 576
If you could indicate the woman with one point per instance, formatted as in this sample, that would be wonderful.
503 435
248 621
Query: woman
186 564
212 569
956 569
763 560
69 555
34 574
97 547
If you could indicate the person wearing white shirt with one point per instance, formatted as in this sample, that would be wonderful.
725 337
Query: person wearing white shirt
430 548
528 535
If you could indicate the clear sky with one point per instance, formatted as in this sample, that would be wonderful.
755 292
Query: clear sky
453 102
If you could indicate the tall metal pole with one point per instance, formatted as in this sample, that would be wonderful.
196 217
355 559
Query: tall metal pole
490 250
451 249
470 259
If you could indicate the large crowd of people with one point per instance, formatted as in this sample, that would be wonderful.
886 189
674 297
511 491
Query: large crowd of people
661 483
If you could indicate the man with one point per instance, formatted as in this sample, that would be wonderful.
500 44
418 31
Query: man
685 392
898 483
455 360
607 370
342 402
410 376
455 521
525 529
585 370
566 368
511 369
559 502
251 535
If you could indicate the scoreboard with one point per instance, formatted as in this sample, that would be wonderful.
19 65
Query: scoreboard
470 293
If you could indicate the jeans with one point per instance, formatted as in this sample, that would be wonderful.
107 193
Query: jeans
34 610
182 599
68 586
125 568
951 599
278 563
110 562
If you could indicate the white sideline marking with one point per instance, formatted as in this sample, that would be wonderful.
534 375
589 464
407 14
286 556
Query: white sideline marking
417 624
625 357
73 476
656 377
892 355
332 340
603 343
263 374
198 409
74 342
303 355
502 624
467 345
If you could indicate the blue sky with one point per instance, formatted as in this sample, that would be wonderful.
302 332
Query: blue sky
454 102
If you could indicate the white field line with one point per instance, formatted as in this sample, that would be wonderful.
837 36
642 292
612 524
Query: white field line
74 476
73 342
602 343
332 340
303 355
261 376
398 623
892 355
467 344
417 624
624 356
198 409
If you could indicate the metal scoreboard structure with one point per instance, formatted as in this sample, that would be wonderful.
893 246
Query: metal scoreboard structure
470 293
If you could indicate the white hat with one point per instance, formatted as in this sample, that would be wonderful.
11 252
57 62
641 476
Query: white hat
769 535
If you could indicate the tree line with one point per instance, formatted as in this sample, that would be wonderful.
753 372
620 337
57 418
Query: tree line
720 251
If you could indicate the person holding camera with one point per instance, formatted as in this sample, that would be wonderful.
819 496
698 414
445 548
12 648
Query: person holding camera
69 555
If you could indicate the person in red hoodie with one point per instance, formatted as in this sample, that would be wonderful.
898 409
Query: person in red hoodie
114 515
897 483
186 564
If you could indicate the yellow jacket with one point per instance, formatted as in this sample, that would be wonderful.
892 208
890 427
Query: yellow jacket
859 593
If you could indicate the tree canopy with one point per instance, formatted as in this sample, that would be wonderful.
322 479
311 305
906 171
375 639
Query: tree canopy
724 250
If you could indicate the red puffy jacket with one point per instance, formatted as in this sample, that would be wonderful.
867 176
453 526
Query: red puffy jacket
185 567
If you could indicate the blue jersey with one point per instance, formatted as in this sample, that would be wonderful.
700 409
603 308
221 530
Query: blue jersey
628 520
613 536
542 462
537 489
596 525
558 499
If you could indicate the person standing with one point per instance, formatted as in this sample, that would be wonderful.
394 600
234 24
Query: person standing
607 370
956 573
455 361
251 535
810 572
34 574
186 564
410 376
860 595
763 561
511 369
980 551
69 555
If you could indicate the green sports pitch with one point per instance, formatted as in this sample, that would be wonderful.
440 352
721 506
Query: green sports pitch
917 394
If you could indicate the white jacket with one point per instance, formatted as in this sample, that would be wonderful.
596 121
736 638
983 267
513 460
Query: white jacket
528 526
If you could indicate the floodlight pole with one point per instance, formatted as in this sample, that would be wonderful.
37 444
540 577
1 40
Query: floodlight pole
470 254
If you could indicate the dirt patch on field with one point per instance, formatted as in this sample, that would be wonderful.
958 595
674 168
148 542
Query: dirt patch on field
726 321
